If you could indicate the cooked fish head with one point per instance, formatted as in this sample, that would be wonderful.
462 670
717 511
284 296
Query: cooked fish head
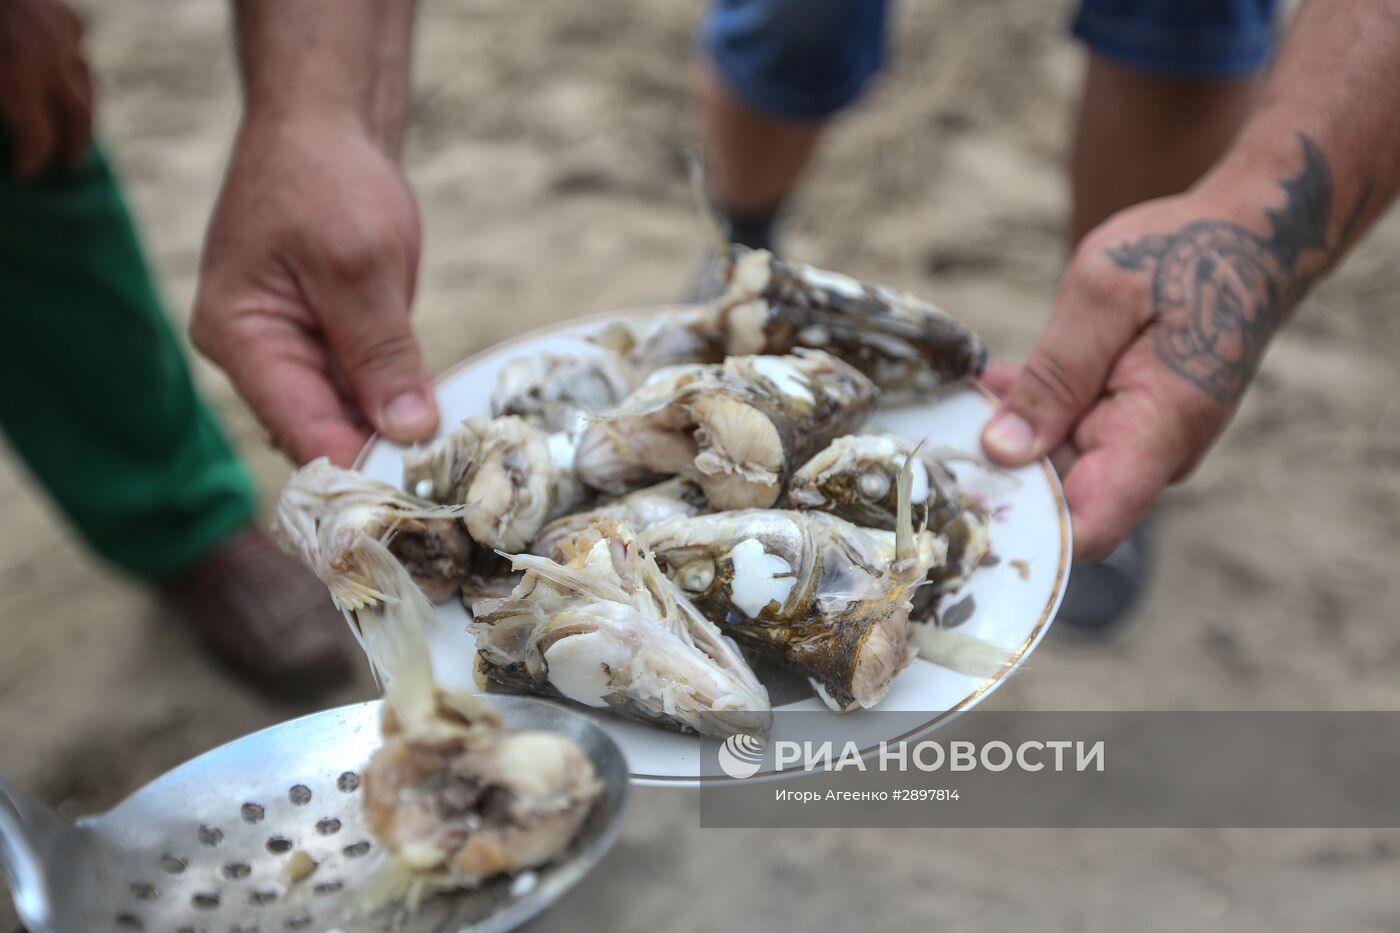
325 514
811 592
554 391
774 306
508 474
856 477
607 629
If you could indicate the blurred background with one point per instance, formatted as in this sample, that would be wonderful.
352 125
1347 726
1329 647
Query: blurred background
545 150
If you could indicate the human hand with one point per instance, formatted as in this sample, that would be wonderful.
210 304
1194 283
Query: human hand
1162 317
45 85
309 269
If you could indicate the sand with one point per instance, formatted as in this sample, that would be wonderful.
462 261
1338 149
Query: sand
545 152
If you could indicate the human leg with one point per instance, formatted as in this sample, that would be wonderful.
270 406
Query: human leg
1166 87
771 73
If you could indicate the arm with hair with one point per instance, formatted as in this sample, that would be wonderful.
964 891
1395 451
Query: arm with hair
347 56
1167 308
311 257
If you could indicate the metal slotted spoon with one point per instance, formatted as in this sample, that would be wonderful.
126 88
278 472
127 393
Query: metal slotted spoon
206 847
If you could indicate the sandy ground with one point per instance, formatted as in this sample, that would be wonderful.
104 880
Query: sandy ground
545 154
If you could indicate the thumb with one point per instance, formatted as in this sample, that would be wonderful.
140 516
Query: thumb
1064 374
368 327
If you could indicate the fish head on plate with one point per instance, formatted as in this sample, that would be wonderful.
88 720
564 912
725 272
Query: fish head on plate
325 511
809 590
775 306
607 629
503 471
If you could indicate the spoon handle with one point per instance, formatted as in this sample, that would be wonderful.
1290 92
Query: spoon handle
30 833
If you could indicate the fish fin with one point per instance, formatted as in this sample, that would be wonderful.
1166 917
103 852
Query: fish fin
719 238
958 651
904 511
394 636
435 511
574 578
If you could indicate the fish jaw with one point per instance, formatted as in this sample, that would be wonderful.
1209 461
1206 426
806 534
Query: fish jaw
969 542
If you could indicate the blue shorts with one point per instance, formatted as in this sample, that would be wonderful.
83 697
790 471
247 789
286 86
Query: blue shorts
806 59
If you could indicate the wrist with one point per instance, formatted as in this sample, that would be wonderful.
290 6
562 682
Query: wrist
1225 264
297 106
1280 186
319 125
377 119
1241 188
335 62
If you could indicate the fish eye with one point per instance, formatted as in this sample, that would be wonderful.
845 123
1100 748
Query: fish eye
873 484
696 576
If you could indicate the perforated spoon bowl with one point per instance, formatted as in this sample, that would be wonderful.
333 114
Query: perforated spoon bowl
212 846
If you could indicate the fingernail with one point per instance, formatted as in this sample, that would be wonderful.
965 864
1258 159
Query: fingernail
407 414
1009 435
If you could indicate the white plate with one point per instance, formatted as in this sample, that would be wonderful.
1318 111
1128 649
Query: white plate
1015 599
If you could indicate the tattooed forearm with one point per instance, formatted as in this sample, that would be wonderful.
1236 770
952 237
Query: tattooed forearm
1220 290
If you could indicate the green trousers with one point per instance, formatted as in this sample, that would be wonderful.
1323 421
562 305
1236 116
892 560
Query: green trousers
95 394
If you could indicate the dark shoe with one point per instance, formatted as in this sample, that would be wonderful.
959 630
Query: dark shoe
1101 595
266 616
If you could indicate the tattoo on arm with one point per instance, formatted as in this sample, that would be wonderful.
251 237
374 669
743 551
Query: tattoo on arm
1221 290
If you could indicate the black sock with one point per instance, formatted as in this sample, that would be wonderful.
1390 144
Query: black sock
752 230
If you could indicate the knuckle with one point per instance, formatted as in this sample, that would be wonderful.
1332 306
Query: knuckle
363 253
204 329
355 262
1103 293
1095 245
381 353
1051 381
1100 287
1198 427
1189 423
215 329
